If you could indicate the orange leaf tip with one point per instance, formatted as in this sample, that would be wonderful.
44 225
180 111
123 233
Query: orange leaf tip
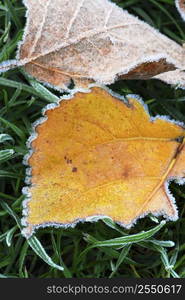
97 154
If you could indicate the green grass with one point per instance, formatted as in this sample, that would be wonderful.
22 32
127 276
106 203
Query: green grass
100 249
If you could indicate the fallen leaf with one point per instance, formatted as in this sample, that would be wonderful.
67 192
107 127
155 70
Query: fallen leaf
94 41
97 155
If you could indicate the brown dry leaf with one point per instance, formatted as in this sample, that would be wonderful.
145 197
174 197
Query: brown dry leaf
94 40
83 165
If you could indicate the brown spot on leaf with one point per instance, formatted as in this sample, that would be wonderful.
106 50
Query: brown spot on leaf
74 169
126 172
68 161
